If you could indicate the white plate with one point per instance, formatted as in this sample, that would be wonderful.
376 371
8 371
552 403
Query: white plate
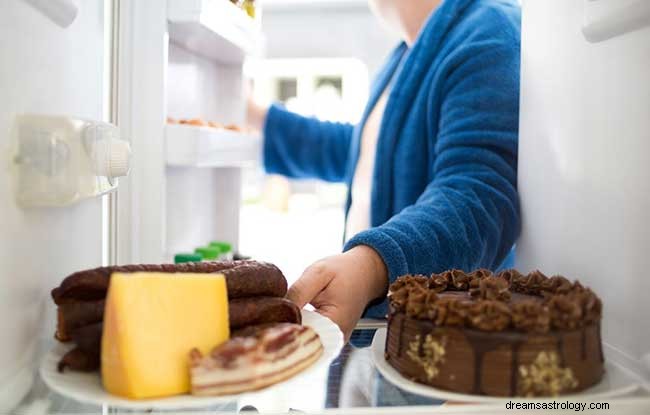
616 382
87 387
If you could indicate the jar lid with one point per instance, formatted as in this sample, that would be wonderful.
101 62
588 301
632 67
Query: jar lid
182 258
208 252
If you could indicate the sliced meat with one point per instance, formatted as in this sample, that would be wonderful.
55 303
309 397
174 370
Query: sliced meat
270 355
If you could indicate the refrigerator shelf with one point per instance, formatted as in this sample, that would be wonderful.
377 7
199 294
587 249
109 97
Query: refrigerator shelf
216 29
191 146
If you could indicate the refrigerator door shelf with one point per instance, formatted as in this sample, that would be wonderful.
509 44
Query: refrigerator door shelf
190 146
216 29
58 161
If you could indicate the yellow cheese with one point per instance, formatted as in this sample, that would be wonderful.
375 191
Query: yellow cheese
151 322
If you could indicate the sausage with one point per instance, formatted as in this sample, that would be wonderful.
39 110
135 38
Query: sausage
78 320
73 315
255 279
262 310
88 338
80 361
92 284
243 312
244 279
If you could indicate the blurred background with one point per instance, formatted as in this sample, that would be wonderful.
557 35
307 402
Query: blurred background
327 74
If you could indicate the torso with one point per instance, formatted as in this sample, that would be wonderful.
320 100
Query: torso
361 188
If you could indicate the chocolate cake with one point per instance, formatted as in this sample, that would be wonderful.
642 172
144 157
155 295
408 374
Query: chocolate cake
498 335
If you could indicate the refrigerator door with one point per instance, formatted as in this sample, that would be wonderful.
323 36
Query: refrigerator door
584 154
54 69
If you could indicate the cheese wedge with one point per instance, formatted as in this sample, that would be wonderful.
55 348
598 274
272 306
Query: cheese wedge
151 322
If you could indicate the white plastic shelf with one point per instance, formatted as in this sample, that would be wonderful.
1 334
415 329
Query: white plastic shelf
192 146
216 29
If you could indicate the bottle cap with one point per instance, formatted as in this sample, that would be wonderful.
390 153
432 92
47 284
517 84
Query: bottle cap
182 258
208 252
119 159
224 247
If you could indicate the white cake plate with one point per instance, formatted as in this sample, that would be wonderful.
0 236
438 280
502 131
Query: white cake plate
87 387
616 382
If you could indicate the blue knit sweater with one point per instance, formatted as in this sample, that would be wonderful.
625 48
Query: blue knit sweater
444 186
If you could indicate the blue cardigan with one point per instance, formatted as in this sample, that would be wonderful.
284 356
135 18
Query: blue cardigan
444 186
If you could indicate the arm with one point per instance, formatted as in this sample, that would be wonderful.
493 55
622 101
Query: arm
301 147
468 216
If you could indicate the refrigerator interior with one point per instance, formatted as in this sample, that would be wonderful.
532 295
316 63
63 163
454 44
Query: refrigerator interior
182 61
586 218
203 199
583 159
45 69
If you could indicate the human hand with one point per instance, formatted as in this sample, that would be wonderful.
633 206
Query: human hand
341 286
255 111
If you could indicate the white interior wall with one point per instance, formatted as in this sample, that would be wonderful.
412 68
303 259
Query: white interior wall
202 203
584 152
51 70
198 87
202 206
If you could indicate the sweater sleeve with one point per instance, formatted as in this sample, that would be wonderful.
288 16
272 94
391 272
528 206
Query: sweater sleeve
302 147
468 216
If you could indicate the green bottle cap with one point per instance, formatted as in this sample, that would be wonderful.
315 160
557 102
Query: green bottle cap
182 258
208 252
224 247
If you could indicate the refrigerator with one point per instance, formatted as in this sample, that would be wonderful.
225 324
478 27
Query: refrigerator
125 66
54 62
584 152
122 66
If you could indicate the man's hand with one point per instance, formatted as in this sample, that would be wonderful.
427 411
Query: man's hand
341 286
255 110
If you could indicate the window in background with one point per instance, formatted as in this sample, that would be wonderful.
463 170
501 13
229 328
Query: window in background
295 222
335 89
286 89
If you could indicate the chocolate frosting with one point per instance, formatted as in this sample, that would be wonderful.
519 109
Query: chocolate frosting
449 311
510 275
507 300
489 315
458 280
497 289
438 283
531 316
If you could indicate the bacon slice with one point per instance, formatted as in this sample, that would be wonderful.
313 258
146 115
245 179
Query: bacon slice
266 356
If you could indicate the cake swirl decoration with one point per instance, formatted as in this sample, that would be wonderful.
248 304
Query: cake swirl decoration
558 303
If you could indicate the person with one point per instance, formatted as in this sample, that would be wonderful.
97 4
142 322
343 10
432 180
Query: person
431 167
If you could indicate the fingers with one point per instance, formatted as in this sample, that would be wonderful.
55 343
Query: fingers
334 314
309 285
